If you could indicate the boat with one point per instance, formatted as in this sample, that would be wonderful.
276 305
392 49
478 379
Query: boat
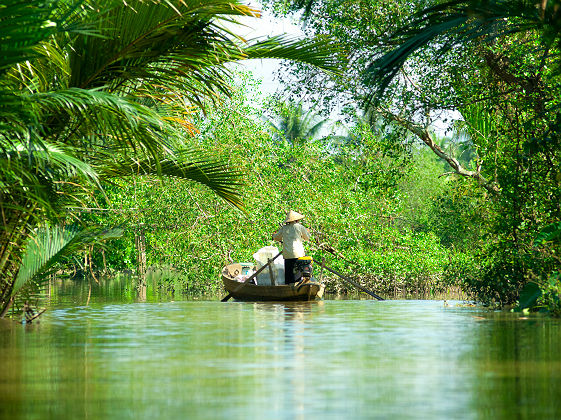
238 287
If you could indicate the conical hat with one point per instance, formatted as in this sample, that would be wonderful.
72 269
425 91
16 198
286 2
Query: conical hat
292 216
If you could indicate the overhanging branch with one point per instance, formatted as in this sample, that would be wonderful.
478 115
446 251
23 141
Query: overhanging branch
426 137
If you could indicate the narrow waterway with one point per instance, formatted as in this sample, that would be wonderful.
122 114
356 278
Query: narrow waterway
335 359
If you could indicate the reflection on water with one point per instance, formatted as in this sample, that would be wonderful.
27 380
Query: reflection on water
329 359
157 286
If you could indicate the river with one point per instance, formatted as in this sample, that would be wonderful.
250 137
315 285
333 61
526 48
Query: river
333 359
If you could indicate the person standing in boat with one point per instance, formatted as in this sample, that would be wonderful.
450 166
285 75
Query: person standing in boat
291 234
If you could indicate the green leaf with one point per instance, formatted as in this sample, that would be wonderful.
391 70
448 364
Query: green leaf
51 245
551 232
528 296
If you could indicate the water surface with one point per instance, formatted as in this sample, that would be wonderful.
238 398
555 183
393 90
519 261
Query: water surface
352 359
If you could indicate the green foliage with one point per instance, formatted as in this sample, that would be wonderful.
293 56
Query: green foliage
550 299
349 195
551 232
293 125
495 63
548 291
97 90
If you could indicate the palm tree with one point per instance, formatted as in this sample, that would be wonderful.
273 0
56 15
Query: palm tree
92 90
296 126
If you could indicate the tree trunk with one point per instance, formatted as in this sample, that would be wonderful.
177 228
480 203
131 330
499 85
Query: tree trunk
104 261
140 242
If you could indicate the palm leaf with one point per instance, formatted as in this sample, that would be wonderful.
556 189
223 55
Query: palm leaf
51 245
184 48
28 23
144 40
315 129
54 157
32 174
190 165
90 112
294 124
24 25
458 22
478 119
319 51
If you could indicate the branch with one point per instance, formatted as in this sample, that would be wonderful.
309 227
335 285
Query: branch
425 136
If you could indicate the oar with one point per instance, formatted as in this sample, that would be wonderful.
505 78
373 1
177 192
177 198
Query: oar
358 286
333 251
251 277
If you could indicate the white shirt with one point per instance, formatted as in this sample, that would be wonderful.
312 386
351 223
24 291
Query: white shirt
291 236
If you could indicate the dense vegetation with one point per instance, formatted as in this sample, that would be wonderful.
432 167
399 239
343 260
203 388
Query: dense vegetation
360 216
493 67
96 91
408 207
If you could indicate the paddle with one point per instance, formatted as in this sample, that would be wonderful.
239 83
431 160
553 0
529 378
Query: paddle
225 299
358 286
332 250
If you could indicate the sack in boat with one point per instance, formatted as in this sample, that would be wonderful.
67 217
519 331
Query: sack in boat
262 257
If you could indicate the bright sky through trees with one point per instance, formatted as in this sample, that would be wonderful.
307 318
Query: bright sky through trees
267 25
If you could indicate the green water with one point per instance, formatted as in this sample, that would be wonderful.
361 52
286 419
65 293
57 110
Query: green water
344 359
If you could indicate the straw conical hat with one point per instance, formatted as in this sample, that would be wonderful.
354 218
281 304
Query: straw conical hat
292 216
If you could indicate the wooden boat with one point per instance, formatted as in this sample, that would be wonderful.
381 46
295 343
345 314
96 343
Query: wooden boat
304 290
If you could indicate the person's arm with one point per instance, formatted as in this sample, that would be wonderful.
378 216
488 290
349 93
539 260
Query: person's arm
304 233
277 236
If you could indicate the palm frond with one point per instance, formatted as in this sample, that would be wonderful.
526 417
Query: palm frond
24 25
319 51
296 125
116 120
51 245
52 157
183 47
38 176
144 40
28 23
478 122
461 21
33 174
190 165
315 129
